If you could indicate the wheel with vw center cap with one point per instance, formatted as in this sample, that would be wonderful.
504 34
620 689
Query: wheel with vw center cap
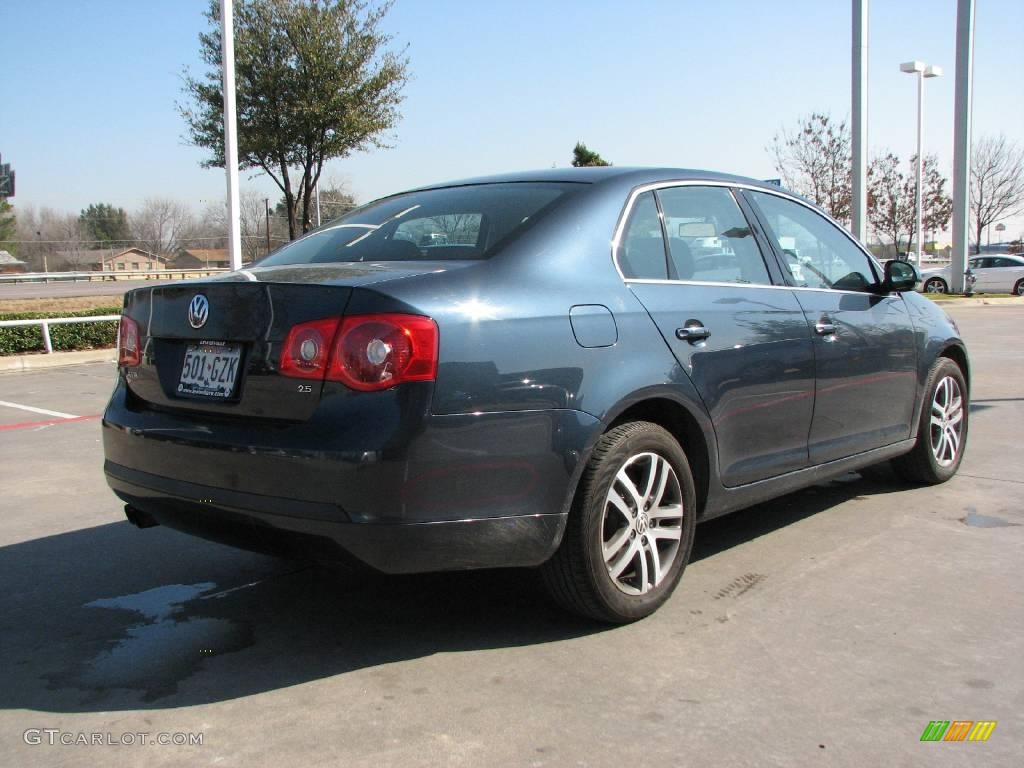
630 531
942 429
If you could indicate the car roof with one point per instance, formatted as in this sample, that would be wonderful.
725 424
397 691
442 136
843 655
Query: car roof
633 176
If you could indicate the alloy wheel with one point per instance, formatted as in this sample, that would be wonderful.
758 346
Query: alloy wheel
642 524
935 286
947 421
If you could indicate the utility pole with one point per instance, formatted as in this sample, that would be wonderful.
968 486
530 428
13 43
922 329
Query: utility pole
266 202
859 120
227 53
962 140
39 238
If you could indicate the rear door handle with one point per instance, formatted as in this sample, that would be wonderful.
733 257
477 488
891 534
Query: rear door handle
824 328
692 331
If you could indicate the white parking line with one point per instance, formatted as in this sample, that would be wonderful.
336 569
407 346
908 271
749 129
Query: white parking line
42 411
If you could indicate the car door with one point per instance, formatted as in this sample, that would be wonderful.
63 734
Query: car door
864 350
998 275
692 258
985 274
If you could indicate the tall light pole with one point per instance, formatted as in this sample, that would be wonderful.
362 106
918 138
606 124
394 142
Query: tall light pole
859 121
227 54
922 71
962 140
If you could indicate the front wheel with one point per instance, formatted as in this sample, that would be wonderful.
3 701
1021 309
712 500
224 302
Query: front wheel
935 285
1018 289
942 430
630 530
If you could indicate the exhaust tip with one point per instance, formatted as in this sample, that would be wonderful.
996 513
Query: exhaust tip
138 518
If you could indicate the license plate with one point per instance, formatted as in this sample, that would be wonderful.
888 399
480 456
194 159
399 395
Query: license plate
210 369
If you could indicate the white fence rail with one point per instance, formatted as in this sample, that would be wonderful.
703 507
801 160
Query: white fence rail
47 322
98 276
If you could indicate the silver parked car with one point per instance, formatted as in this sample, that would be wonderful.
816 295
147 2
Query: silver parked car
1001 273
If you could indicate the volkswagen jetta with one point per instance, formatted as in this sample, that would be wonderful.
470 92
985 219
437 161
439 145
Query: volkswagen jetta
566 369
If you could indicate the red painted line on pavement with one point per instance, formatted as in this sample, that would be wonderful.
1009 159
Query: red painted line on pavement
47 423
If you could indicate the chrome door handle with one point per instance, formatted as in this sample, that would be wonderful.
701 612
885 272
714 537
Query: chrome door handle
823 328
692 333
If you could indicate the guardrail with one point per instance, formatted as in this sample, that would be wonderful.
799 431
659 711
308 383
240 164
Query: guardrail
47 322
97 275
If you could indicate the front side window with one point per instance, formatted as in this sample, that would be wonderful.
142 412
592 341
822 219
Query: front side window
469 222
816 252
709 238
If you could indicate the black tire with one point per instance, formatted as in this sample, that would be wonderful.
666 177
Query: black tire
935 285
577 576
1018 289
927 463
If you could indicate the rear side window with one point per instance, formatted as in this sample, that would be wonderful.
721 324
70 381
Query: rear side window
470 222
709 237
641 253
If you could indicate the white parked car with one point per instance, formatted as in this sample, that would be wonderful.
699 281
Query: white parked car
999 273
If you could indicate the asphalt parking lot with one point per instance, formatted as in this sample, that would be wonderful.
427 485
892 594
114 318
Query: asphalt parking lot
826 628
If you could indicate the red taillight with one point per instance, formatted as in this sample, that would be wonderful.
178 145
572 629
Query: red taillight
307 347
379 351
129 352
364 352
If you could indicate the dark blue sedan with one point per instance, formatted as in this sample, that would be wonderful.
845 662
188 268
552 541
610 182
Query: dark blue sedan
566 369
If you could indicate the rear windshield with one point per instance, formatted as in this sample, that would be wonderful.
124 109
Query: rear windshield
471 222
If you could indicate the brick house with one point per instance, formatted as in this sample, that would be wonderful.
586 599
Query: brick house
202 258
131 260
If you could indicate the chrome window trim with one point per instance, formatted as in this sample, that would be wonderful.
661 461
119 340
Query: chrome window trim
656 185
653 281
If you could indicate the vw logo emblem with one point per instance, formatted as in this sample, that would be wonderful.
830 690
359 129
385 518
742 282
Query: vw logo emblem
198 311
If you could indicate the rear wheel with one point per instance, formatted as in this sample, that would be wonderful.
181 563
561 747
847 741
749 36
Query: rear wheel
630 530
935 285
942 430
1018 289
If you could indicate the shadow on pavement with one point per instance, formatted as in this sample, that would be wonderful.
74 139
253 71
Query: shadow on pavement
112 618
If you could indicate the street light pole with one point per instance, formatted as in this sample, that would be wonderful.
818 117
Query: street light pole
227 53
859 121
922 71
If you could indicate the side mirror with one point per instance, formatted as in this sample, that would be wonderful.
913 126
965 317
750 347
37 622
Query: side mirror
900 276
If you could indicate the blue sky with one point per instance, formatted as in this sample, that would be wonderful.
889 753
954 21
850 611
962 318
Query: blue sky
87 99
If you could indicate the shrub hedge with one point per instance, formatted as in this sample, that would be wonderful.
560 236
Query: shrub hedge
16 341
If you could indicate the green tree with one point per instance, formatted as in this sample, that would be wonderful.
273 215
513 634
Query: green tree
8 228
105 223
814 161
583 157
314 81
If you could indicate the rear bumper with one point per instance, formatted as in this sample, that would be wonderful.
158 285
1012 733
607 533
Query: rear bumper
246 521
462 491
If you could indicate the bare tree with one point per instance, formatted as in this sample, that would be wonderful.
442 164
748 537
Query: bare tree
253 225
52 239
162 224
997 183
892 200
814 161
